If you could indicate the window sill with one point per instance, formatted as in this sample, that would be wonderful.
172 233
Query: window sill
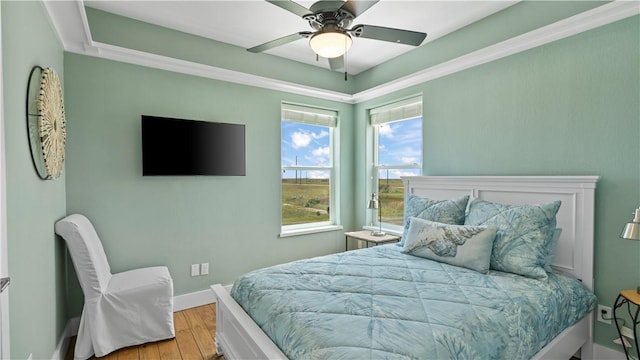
310 230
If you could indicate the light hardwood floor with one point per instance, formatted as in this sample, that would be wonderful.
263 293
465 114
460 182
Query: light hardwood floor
195 331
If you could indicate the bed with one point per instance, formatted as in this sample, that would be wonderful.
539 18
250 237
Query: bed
454 321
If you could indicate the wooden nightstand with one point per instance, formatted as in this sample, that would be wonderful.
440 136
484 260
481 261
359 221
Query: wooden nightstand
628 297
365 235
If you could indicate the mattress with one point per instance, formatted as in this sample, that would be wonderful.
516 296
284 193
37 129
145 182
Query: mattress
380 303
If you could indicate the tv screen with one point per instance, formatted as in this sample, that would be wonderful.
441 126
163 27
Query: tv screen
189 147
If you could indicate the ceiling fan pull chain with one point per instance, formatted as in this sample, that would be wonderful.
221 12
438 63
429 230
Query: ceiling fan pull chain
345 59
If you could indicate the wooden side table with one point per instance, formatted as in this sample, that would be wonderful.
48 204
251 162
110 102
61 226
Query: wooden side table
365 235
628 297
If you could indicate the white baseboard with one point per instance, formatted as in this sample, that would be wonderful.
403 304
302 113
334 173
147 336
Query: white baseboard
180 302
601 352
70 330
190 300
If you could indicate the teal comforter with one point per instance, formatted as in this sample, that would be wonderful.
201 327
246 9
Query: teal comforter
381 304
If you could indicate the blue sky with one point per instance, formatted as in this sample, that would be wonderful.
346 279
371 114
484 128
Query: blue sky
400 143
306 145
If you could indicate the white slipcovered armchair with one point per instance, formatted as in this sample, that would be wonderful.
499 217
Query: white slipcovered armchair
129 308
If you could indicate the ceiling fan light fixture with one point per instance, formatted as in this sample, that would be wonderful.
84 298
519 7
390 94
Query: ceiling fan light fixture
330 44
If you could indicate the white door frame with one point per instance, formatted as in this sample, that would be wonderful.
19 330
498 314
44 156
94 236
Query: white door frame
4 268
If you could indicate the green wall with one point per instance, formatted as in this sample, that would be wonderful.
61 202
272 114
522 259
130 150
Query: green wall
37 294
231 222
570 107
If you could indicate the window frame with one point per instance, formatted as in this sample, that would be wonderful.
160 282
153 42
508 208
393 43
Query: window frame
304 114
401 110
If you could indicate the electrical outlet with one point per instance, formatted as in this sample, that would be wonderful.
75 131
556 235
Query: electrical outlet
195 269
625 331
204 269
604 314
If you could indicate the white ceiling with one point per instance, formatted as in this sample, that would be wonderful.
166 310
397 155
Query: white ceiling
252 22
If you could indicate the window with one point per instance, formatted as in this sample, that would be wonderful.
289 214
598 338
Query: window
308 177
397 151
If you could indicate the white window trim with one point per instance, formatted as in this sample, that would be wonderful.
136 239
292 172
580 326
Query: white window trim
322 117
310 230
400 110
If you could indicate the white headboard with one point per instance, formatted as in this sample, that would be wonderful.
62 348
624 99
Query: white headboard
574 253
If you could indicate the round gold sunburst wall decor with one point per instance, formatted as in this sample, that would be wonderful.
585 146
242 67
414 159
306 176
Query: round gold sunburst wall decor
46 122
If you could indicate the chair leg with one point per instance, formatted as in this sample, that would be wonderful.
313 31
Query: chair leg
219 351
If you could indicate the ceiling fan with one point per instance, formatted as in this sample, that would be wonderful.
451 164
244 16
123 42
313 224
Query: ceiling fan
332 37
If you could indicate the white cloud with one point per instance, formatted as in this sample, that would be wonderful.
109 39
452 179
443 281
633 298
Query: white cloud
317 174
300 140
321 151
385 130
320 135
409 160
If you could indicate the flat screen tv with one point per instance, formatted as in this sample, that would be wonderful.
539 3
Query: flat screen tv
189 147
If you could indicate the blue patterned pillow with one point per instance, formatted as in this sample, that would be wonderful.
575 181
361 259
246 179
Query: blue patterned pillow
525 235
459 245
444 211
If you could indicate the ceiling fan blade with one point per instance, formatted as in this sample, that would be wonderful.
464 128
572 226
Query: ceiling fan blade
291 6
281 41
336 63
358 7
388 34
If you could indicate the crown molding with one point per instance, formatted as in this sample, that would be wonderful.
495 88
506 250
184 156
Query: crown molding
117 53
70 21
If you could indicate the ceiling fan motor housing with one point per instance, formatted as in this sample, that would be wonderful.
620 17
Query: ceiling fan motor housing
328 15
